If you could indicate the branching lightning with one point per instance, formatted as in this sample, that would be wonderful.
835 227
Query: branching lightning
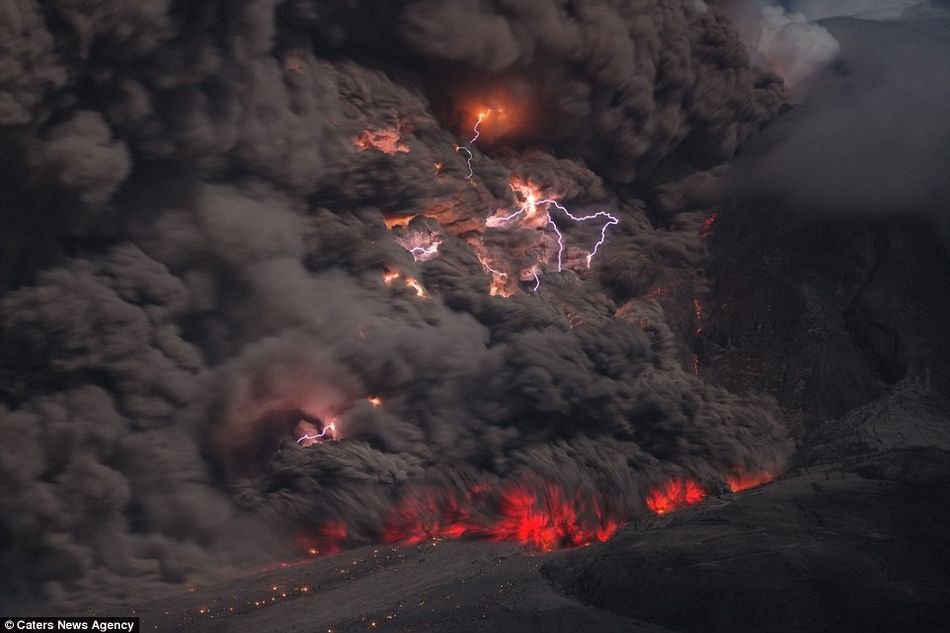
481 117
531 205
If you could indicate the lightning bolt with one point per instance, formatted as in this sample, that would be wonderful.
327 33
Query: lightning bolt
316 436
481 117
531 204
468 161
611 221
421 253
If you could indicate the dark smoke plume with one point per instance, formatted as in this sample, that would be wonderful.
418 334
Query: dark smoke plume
196 259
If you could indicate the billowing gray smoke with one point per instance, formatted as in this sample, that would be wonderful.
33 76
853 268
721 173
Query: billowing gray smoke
196 261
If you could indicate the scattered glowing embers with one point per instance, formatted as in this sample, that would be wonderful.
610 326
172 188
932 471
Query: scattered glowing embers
308 434
675 494
386 140
390 277
740 480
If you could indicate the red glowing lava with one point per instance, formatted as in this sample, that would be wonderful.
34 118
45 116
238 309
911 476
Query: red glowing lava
740 480
543 517
675 494
327 539
708 224
548 520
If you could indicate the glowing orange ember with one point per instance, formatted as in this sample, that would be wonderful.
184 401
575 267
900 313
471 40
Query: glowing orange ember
412 282
739 480
387 141
376 401
675 494
390 277
393 221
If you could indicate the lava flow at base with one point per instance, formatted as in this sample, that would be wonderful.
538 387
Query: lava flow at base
675 494
543 517
540 516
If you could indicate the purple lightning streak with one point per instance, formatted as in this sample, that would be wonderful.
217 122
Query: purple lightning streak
560 239
493 222
315 436
423 253
603 236
531 205
611 221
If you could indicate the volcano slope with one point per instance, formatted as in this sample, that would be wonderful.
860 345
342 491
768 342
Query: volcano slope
853 538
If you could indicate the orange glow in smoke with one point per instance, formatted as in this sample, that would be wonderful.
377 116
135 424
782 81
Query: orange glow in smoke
740 480
327 539
527 193
376 401
499 114
387 141
399 220
500 286
412 282
390 277
675 494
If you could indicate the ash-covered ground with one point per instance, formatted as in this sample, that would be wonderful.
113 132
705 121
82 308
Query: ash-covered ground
484 316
